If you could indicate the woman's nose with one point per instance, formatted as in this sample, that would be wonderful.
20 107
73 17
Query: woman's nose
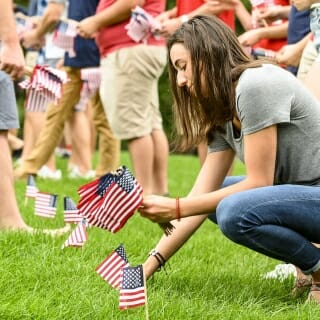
181 80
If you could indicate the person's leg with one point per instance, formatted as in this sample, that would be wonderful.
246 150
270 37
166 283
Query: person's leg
81 141
142 155
32 125
10 217
56 116
160 163
109 145
278 221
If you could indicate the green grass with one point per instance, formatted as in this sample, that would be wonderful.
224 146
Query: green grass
209 278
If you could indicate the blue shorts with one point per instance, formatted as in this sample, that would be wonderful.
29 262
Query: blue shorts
8 106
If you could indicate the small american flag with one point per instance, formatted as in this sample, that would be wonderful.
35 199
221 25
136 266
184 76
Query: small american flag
132 289
44 86
64 35
71 212
78 236
110 268
91 78
31 188
108 202
46 205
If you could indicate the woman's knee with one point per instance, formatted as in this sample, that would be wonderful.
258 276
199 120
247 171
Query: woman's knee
230 214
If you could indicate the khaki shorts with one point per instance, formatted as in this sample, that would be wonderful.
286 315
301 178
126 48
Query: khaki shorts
309 56
129 90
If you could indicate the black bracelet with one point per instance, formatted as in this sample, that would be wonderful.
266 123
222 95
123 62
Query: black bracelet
161 260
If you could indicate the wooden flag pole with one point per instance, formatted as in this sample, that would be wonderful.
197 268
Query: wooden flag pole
26 201
146 296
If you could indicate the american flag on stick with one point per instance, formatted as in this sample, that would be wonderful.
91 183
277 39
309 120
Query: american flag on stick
31 188
46 205
64 35
71 212
91 78
78 236
43 86
132 288
108 202
110 268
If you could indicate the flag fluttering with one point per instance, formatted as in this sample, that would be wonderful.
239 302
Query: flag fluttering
142 25
132 288
45 205
44 86
31 188
91 78
71 212
110 268
108 202
78 236
64 35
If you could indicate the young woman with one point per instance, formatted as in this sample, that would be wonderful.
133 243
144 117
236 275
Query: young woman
262 114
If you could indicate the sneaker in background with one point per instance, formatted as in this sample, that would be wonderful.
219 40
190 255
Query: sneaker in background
47 173
75 173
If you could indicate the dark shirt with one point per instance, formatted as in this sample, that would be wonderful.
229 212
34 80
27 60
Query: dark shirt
299 27
87 53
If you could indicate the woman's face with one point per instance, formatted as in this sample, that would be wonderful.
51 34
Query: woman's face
180 59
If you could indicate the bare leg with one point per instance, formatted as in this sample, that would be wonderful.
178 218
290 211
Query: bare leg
81 141
142 157
160 167
10 217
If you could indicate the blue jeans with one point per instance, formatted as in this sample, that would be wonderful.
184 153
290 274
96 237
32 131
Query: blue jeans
279 221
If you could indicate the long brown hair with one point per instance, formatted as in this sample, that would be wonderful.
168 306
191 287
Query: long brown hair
217 60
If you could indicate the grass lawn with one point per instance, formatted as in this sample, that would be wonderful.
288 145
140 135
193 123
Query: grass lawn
209 278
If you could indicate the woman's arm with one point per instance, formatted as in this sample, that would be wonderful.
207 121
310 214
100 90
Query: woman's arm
210 178
115 13
260 155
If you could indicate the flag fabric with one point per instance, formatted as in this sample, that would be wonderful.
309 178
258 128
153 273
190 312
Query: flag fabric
71 212
142 25
43 86
91 78
31 188
64 35
108 202
132 289
110 268
23 24
78 236
46 205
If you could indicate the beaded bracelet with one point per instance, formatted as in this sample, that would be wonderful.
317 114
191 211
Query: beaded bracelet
161 260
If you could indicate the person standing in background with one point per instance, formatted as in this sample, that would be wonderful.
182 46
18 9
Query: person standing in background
129 87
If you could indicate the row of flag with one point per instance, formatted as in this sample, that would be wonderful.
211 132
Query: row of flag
109 201
115 269
44 86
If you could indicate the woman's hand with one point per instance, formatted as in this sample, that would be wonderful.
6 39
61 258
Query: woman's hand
158 209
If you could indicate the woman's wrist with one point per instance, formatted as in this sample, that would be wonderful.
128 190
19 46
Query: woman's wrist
155 262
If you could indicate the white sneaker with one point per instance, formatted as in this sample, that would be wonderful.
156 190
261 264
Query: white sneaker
47 173
75 173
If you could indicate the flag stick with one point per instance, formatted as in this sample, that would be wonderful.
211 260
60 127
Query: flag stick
146 296
26 201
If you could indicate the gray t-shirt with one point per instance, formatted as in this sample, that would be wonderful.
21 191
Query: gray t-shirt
271 95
